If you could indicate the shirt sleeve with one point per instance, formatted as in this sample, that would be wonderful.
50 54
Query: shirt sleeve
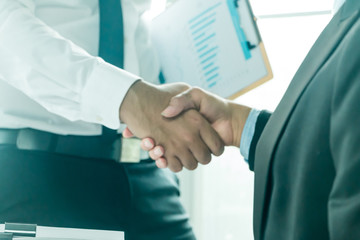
56 73
248 133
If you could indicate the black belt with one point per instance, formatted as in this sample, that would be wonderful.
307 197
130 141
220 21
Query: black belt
80 146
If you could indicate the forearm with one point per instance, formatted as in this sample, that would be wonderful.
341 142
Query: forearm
56 73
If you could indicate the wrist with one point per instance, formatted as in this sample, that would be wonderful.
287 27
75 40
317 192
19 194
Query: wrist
142 101
131 99
240 114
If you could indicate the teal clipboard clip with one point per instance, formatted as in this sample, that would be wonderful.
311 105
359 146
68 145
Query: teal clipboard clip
232 5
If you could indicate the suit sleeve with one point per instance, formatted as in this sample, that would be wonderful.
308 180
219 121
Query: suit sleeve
259 127
344 199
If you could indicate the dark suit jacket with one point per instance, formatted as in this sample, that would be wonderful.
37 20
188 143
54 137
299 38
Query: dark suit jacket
306 157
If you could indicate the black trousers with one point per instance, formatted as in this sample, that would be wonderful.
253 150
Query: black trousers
63 191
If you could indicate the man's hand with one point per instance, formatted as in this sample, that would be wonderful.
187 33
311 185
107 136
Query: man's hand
226 117
187 138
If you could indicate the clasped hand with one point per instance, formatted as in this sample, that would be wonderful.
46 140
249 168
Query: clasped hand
188 138
226 118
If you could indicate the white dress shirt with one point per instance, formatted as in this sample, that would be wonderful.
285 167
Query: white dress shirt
50 77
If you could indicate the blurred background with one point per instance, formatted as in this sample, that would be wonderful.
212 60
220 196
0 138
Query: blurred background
219 196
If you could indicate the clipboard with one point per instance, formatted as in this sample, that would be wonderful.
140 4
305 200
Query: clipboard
211 44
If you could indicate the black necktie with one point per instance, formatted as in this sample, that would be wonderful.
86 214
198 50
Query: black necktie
111 46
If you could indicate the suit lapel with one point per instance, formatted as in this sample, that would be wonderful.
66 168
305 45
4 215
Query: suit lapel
318 55
350 7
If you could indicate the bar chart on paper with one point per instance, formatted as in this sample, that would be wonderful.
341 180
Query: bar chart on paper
204 40
210 44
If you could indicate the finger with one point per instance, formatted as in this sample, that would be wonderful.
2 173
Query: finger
178 104
212 139
127 133
161 163
147 144
201 152
174 164
157 152
187 159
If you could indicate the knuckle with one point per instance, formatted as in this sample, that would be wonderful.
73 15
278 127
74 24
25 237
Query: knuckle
195 117
189 138
196 90
177 100
184 86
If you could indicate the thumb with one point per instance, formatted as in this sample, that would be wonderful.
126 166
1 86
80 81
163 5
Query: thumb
178 104
127 133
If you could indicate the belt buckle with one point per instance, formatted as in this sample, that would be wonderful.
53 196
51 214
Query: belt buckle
130 150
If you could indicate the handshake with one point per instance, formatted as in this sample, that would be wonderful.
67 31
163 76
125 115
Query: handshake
181 126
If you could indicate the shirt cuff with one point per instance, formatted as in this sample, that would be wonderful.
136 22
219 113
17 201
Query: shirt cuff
104 93
248 133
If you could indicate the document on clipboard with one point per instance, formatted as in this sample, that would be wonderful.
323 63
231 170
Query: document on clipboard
212 44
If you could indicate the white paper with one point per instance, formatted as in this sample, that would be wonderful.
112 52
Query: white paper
54 233
197 43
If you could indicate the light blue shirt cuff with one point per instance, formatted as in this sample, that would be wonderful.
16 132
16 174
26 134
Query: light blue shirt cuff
248 133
